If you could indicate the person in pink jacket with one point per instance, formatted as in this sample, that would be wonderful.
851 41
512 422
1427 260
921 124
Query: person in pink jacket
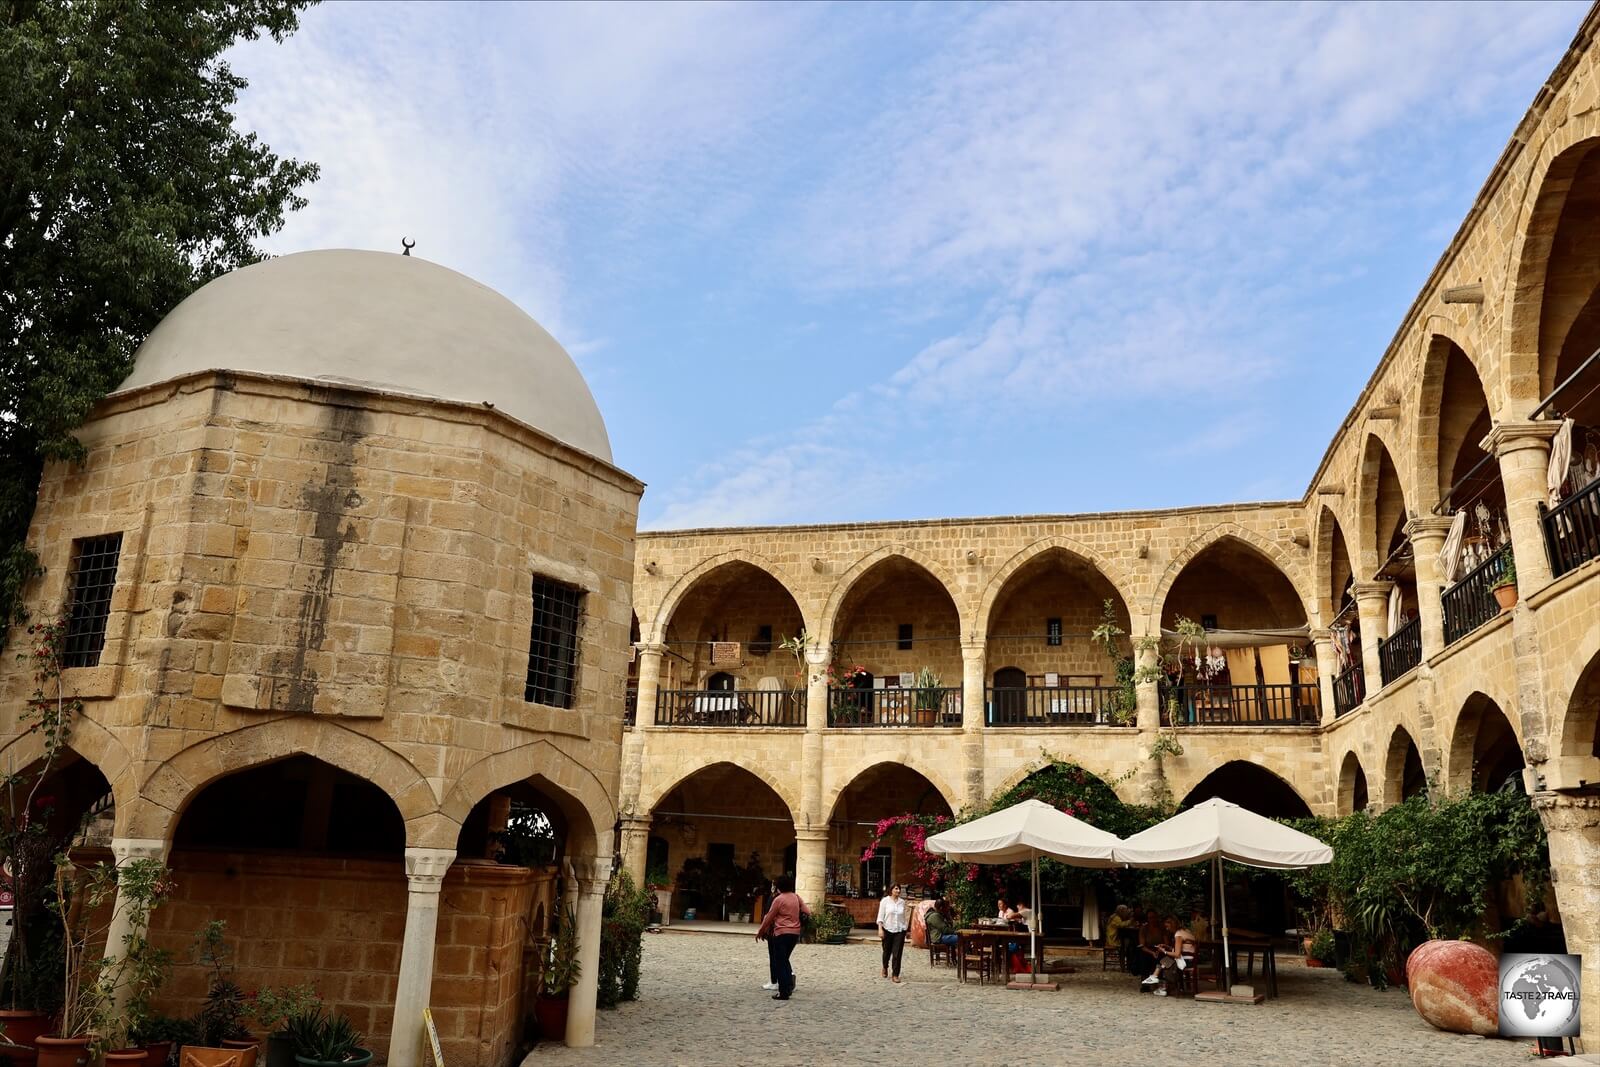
781 931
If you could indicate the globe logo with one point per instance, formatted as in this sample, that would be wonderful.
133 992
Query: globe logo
1539 995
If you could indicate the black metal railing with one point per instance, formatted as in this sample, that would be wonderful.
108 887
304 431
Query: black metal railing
1470 603
630 706
933 706
1400 651
1060 705
1241 705
736 707
1349 690
1572 530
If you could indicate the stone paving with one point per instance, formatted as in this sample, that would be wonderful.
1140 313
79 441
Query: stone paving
702 1003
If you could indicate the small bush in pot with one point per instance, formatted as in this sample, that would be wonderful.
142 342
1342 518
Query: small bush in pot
274 1008
327 1041
558 974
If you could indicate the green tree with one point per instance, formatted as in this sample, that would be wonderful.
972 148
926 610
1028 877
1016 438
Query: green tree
124 185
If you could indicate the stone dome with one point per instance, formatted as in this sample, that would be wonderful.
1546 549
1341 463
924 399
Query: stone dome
380 320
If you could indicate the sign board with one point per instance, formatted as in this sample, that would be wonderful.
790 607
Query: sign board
433 1037
1052 680
908 680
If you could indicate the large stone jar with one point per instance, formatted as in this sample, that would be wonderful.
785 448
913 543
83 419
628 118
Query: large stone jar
1454 986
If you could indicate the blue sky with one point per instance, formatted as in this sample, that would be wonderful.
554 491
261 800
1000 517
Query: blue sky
836 263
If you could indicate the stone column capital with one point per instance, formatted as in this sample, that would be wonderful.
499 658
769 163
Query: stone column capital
1429 529
593 874
650 648
812 834
1321 634
636 824
819 655
426 867
974 649
125 850
1371 594
1507 437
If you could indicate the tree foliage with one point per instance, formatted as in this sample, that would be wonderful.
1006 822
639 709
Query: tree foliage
624 916
124 185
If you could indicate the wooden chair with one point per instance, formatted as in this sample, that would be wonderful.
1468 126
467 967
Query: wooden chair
975 955
938 950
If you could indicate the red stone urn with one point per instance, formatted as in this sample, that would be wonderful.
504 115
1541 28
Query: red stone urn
1455 985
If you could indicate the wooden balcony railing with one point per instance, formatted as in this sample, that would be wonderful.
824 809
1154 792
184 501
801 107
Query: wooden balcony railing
1242 705
1349 690
1401 651
1469 603
1066 705
894 707
723 707
1572 530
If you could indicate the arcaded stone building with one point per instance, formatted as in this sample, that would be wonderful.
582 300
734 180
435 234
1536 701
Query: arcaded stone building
349 569
1351 661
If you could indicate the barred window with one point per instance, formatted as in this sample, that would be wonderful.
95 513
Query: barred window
553 644
90 582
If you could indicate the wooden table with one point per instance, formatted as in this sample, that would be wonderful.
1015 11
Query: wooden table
1249 947
995 939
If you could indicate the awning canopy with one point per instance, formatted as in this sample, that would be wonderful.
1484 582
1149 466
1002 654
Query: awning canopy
1023 831
1290 635
1218 829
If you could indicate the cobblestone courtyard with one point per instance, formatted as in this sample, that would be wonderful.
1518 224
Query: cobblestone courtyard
702 1003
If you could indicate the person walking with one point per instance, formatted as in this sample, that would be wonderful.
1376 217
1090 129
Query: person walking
894 919
780 929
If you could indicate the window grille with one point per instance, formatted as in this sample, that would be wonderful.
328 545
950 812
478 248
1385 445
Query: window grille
1052 632
553 644
92 578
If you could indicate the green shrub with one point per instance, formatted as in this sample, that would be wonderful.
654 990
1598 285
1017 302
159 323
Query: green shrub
625 915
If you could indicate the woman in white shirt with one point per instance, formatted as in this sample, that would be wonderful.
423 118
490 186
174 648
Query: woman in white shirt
894 919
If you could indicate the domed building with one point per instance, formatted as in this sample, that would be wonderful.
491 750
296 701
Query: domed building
348 570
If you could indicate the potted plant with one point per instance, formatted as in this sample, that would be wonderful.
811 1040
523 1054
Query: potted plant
560 973
92 1021
30 837
220 1033
322 1040
830 925
930 697
274 1008
1319 948
1505 586
159 1034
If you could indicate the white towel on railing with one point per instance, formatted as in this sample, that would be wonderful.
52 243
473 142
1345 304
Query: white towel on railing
1560 458
1450 555
1394 608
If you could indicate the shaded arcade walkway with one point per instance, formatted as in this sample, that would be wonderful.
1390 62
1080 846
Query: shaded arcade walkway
703 1004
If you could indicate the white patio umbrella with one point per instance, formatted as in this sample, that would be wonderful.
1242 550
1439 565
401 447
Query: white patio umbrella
1027 831
1216 830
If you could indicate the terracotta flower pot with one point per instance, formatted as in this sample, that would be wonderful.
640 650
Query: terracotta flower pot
1506 596
251 1049
63 1051
23 1027
159 1052
128 1057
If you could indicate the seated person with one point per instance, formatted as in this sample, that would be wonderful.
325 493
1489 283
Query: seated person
1199 925
1152 939
1175 957
941 924
1122 931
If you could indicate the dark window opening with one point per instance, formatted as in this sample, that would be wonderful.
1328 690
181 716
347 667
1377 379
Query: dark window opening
763 642
719 855
875 873
91 581
905 637
553 643
314 808
1208 622
1052 631
721 682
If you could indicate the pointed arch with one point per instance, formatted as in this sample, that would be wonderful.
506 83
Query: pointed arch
997 584
1404 775
1250 785
97 745
1383 502
1123 785
861 567
692 577
1485 746
651 798
1549 182
864 765
1271 553
582 797
1432 432
1353 790
1332 565
170 788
